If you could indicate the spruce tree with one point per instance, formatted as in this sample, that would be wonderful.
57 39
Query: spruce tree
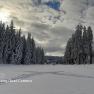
16 49
16 57
68 52
28 50
33 51
2 40
79 47
90 39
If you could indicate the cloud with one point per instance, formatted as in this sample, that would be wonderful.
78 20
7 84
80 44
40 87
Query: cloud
52 37
59 37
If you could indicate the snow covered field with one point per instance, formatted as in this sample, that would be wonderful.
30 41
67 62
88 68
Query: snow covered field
48 79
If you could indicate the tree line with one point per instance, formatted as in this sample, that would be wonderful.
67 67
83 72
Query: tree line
16 49
79 46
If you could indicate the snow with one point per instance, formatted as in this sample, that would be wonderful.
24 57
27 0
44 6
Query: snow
48 79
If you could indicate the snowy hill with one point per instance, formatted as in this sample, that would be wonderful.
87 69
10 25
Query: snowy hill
48 79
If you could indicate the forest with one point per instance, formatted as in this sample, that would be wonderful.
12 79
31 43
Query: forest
15 48
79 49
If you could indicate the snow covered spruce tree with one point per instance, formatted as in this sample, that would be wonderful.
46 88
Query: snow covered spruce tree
68 52
16 49
28 50
8 42
33 51
2 39
11 42
40 58
79 47
85 46
90 40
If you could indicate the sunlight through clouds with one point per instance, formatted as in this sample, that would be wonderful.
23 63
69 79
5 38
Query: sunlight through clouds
5 15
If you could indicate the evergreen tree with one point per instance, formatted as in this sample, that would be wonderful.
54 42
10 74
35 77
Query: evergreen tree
24 50
42 56
2 39
28 50
17 52
68 52
38 55
16 49
90 39
11 41
79 47
85 46
33 51
6 50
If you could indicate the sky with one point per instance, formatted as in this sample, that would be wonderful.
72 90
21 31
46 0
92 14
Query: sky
50 28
